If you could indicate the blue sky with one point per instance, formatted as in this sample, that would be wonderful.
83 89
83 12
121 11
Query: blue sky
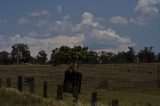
110 25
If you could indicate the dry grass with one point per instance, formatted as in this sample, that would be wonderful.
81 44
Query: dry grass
11 97
118 76
141 97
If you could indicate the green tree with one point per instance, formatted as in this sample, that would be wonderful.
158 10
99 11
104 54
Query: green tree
42 57
33 60
121 57
103 57
61 55
146 55
93 57
20 53
111 57
126 57
4 57
158 57
70 56
106 57
130 55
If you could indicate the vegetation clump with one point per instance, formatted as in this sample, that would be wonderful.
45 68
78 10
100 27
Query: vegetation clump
12 97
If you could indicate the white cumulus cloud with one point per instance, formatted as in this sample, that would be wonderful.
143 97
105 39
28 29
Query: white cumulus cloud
141 21
148 10
148 7
88 32
88 22
96 34
48 44
88 19
4 43
111 37
118 20
59 26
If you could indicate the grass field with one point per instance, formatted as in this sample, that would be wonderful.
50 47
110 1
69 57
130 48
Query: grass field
11 97
118 76
134 97
129 83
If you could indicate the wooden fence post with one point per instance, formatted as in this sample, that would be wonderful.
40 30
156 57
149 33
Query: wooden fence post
45 89
115 103
79 82
75 96
158 76
9 83
20 83
94 99
59 92
32 86
0 82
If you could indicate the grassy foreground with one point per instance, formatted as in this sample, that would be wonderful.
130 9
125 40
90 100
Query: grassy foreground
11 97
134 97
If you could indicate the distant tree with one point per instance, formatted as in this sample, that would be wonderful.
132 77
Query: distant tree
93 57
103 58
20 53
158 57
42 57
61 55
126 57
33 60
4 57
146 55
130 55
111 57
70 56
106 57
121 57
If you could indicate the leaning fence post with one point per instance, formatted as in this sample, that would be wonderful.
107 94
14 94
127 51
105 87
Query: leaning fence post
45 89
20 82
115 103
59 92
9 83
75 96
94 99
32 85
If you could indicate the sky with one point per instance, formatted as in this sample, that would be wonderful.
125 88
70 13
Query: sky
109 25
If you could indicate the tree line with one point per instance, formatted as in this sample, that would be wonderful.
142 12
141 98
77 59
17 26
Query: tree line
20 54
